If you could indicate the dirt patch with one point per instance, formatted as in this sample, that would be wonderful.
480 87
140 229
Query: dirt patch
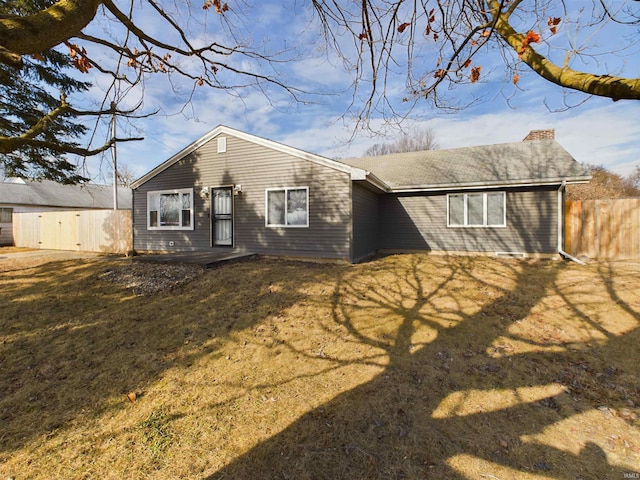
146 278
142 278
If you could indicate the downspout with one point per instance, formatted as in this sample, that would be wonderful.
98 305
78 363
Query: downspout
561 226
133 227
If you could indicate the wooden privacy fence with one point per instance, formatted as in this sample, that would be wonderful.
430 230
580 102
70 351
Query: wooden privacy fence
603 228
107 231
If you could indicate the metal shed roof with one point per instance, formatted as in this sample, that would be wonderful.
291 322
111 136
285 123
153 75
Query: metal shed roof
51 194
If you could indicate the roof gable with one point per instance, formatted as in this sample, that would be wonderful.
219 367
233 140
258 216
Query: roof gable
355 172
534 162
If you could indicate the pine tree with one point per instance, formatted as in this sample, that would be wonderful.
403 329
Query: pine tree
28 96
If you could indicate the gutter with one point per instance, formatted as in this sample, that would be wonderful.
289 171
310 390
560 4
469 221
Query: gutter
561 226
485 185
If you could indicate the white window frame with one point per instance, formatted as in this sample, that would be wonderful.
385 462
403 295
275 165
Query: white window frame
485 215
179 191
286 195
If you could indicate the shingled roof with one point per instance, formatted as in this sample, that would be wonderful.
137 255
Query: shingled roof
47 193
533 162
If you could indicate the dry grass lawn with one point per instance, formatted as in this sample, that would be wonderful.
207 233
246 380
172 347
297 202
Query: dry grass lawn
406 367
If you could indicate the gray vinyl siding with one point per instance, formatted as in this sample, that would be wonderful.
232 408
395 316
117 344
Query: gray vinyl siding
365 222
256 168
419 222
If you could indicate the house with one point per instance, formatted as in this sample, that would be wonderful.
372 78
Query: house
20 196
230 189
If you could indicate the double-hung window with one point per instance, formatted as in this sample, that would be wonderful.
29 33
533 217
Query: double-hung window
170 209
287 207
476 209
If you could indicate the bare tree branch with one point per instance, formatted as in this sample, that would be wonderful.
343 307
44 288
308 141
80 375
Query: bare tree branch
616 88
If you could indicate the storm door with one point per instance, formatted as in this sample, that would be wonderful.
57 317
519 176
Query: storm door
222 216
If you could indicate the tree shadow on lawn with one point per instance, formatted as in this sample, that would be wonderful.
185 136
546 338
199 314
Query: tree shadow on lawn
73 345
452 400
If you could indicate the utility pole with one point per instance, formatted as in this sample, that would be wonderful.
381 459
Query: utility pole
114 156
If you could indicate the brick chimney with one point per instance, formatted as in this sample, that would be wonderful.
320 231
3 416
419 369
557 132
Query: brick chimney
540 135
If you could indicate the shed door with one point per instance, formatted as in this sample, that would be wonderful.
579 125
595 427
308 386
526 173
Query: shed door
222 216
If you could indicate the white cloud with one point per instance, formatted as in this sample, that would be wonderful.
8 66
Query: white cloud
604 135
600 132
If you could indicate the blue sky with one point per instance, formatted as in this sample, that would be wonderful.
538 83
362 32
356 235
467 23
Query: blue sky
598 131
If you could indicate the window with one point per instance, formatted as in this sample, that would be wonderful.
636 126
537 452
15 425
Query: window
287 207
170 210
222 145
476 210
6 215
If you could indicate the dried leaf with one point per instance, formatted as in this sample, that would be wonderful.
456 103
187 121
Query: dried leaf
553 24
79 60
475 74
132 397
403 27
200 81
467 63
427 30
439 73
435 37
530 37
220 7
515 79
363 36
73 49
38 56
82 64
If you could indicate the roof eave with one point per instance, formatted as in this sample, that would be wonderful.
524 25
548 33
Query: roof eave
488 185
359 174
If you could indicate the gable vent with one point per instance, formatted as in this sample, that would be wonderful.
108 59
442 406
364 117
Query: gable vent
222 144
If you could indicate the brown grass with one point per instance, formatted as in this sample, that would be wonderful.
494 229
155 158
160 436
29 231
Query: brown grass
409 366
10 249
